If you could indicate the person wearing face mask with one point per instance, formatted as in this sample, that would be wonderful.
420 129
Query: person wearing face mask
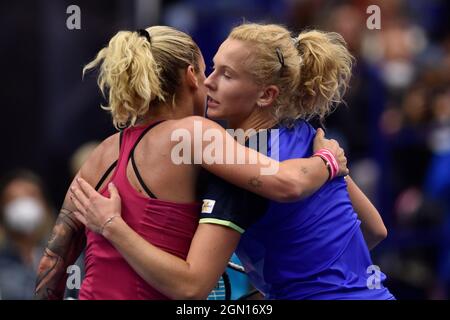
25 220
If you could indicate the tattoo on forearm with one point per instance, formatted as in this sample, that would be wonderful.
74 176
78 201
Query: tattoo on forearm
63 248
48 282
65 229
255 182
304 170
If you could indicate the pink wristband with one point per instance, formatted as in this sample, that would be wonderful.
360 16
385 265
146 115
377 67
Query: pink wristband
333 161
330 160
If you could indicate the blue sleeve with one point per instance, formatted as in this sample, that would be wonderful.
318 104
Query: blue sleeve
228 205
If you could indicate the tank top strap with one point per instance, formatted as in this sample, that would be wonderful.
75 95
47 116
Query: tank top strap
131 137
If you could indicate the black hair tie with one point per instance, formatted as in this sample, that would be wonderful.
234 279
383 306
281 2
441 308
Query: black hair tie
146 34
280 56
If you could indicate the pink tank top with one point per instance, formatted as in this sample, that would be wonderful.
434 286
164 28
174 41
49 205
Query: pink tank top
167 225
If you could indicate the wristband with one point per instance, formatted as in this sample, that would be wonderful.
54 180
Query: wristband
330 162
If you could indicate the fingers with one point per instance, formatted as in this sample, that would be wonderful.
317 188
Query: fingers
320 141
342 160
343 170
80 217
320 133
77 203
114 193
80 196
87 188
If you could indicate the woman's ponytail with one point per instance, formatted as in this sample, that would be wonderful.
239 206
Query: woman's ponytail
138 72
325 71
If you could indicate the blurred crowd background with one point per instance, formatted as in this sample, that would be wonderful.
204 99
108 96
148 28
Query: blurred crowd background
395 127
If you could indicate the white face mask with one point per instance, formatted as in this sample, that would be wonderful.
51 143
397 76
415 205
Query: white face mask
24 215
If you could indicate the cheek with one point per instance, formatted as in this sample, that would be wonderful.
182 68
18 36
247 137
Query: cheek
242 100
237 95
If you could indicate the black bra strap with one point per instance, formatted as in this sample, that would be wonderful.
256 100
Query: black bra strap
141 181
133 162
111 167
105 175
120 139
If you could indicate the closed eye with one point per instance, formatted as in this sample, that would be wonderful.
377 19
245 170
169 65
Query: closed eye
223 72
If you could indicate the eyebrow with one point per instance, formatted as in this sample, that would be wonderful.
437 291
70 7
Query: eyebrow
224 66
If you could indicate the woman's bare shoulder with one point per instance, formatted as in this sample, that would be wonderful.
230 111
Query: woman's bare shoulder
101 159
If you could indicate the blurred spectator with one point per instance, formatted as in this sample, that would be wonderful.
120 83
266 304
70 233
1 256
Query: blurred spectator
26 217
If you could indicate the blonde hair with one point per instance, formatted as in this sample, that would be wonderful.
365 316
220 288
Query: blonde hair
312 70
136 73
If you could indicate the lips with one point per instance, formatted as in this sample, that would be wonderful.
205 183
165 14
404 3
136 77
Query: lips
212 103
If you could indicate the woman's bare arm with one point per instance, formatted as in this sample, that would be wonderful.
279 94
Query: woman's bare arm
193 278
285 181
67 240
63 248
372 225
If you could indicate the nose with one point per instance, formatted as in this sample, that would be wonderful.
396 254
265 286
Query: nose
209 82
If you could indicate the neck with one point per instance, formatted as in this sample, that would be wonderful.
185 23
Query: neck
165 112
257 120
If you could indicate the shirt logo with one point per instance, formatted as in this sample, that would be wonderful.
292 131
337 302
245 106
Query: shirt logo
208 205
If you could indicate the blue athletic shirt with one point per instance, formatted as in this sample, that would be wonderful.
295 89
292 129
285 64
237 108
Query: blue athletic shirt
309 249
